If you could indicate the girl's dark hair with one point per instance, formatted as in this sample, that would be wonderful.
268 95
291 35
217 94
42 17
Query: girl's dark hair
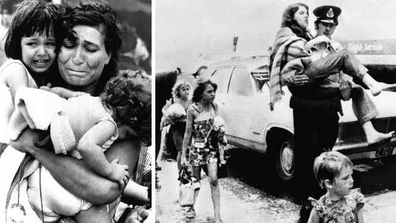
199 90
98 15
33 16
289 21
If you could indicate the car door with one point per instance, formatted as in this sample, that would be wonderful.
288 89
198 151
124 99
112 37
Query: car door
244 110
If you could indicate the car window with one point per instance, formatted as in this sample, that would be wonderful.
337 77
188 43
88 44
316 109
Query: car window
222 77
240 82
260 76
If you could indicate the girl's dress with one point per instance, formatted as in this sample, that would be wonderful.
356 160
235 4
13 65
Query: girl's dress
11 159
200 153
6 104
341 211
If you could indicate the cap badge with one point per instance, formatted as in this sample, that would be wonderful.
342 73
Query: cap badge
330 13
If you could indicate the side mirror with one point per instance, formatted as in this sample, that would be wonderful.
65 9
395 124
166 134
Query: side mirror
261 73
261 76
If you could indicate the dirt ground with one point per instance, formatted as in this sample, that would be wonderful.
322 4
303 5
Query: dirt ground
241 202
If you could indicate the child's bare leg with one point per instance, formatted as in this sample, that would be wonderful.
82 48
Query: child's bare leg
135 194
221 155
94 214
373 136
375 86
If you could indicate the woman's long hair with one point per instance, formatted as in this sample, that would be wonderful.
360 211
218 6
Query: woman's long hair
199 90
289 21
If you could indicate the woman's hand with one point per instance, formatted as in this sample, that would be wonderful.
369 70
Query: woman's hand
25 142
78 93
296 80
46 88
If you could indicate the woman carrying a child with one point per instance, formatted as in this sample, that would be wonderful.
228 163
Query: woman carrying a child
86 61
196 151
175 113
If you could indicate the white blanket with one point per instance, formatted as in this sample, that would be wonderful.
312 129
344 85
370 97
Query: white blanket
34 108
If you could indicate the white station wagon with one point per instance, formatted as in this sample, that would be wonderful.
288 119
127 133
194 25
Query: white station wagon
243 99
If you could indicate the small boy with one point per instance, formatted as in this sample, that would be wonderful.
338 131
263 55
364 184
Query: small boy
341 203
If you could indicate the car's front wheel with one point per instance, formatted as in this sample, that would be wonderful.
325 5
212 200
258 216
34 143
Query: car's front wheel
282 156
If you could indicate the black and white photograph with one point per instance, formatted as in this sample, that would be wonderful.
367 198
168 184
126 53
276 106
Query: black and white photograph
75 113
275 111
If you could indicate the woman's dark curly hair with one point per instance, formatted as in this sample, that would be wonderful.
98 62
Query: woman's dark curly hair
289 21
199 90
98 15
33 16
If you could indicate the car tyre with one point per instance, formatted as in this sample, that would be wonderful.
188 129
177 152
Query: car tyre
282 157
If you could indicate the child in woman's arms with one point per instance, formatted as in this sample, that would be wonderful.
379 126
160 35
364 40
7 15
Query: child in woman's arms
93 124
31 48
341 203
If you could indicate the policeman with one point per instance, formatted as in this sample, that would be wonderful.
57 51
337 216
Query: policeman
326 22
316 126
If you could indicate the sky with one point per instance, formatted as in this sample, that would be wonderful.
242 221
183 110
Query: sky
189 32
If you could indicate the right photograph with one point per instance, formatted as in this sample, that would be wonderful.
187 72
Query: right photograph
275 111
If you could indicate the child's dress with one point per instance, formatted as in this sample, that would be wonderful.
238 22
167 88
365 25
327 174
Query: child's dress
341 211
200 153
6 104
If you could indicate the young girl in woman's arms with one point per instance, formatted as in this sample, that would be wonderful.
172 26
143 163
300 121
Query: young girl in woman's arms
31 47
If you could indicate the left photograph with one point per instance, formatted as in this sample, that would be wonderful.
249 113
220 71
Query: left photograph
75 114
